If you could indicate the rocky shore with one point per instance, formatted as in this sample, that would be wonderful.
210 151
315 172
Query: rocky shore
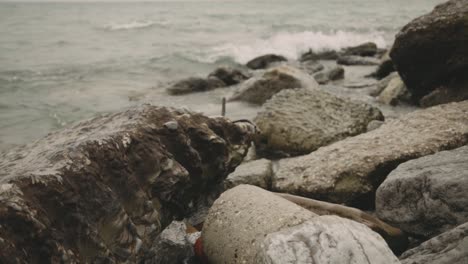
331 170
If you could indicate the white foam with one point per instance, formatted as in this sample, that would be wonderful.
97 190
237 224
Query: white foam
292 45
130 25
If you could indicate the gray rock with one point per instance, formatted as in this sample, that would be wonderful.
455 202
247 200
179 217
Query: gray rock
385 67
448 248
229 76
382 84
321 55
257 172
264 61
311 66
357 60
365 49
333 74
445 94
195 84
326 239
395 93
171 125
300 121
374 124
103 189
257 90
350 170
432 50
241 218
172 245
427 196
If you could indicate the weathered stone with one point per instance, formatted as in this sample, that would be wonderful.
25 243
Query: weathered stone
395 238
427 196
444 94
432 50
321 55
447 248
385 67
382 84
256 172
349 171
229 76
374 124
300 121
264 61
365 49
357 60
195 84
333 74
241 218
257 90
326 239
395 93
311 67
103 189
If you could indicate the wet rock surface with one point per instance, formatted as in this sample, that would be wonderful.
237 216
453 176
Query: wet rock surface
333 74
357 60
300 121
195 84
229 76
364 49
326 239
349 171
256 172
427 196
103 189
395 93
319 55
257 90
447 248
431 50
264 61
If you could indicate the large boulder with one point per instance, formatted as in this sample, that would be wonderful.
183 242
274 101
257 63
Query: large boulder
395 93
264 61
195 84
300 121
103 189
326 240
229 76
241 218
257 90
447 248
364 49
349 171
357 60
432 50
427 196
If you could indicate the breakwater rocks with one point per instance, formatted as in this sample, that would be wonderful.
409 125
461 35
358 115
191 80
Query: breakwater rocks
102 190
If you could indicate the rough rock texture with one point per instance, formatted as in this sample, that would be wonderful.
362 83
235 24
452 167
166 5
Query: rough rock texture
241 218
395 93
357 60
103 189
395 238
321 55
257 90
333 74
382 84
264 61
374 124
300 121
448 248
311 66
427 196
195 84
385 67
326 239
365 49
349 171
229 76
256 172
432 50
445 94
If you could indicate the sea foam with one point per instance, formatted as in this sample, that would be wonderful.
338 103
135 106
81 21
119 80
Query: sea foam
136 24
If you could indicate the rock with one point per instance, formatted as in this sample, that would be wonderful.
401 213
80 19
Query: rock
241 218
427 196
332 74
257 90
374 124
264 61
395 93
257 172
322 55
357 60
171 246
229 76
447 248
365 49
395 238
311 67
444 94
195 84
103 189
325 239
349 171
382 84
300 121
385 67
432 50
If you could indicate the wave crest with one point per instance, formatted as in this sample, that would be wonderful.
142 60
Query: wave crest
136 24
